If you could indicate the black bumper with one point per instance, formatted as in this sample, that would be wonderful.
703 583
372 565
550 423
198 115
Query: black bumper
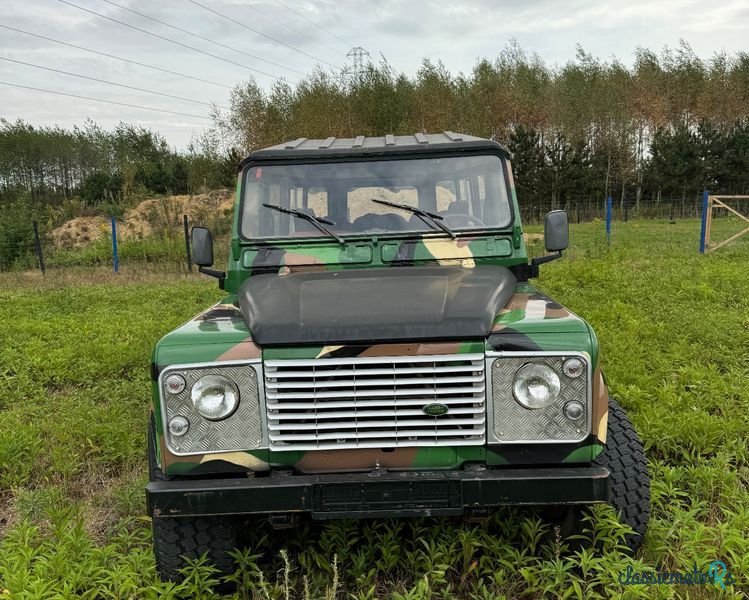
402 494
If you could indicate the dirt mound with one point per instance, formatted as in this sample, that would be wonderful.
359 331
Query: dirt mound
80 232
155 216
163 216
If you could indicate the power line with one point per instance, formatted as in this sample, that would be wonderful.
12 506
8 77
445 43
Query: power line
161 110
200 37
265 35
320 27
127 60
122 85
171 41
289 27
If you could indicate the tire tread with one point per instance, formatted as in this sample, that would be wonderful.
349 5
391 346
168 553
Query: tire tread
177 538
629 479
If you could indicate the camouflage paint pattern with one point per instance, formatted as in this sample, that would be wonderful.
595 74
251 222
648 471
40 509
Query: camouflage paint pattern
530 321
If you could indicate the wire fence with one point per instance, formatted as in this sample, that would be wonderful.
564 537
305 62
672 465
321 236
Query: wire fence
110 241
161 238
585 210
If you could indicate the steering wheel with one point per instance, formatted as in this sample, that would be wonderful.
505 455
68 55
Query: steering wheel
456 220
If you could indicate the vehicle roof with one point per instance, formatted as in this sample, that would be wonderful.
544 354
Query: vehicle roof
378 145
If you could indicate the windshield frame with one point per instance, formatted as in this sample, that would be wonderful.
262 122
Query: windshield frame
472 232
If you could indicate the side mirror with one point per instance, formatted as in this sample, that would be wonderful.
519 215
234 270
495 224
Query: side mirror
556 239
201 242
556 231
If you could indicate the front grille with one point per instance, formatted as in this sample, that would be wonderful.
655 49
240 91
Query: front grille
375 402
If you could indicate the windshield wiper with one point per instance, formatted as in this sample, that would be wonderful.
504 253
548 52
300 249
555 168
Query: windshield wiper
316 221
429 218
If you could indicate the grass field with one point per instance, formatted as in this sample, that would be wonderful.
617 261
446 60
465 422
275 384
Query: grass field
74 394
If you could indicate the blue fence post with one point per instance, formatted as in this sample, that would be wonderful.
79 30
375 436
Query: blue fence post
703 231
609 206
115 256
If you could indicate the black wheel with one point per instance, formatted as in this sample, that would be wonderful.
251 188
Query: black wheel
629 480
177 538
629 485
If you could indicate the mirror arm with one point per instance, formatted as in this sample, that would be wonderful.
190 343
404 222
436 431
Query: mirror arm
220 275
540 260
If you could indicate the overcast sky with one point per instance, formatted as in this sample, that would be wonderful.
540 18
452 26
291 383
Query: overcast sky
405 31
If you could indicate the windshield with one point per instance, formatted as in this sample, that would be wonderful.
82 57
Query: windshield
462 193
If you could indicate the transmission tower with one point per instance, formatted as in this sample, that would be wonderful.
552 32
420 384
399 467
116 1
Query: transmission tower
357 56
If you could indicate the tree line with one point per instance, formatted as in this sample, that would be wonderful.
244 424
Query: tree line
51 174
668 126
665 127
50 166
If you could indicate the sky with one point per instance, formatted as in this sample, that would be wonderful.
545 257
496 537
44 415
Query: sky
289 38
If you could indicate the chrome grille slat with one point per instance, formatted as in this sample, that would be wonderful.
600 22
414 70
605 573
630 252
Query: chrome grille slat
369 424
369 434
324 363
376 371
371 402
389 412
453 391
378 382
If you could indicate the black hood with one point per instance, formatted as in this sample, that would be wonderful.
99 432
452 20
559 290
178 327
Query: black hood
374 305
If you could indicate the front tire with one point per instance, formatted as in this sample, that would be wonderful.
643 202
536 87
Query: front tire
177 538
629 479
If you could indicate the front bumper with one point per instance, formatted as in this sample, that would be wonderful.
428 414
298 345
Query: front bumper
378 494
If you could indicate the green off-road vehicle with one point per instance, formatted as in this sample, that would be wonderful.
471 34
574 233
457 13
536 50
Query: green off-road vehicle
380 352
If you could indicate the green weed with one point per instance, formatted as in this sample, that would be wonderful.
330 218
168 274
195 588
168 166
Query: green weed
74 395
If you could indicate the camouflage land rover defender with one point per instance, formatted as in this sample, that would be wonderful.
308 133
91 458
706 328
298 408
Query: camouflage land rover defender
380 352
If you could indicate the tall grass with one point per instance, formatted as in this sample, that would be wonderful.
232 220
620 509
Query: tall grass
74 394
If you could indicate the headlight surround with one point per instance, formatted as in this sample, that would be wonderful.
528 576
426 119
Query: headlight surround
536 386
215 397
510 422
239 430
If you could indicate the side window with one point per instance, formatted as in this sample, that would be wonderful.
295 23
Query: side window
446 194
317 201
465 190
455 196
481 187
314 200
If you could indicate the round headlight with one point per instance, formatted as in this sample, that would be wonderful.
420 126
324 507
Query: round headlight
573 368
215 397
536 386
